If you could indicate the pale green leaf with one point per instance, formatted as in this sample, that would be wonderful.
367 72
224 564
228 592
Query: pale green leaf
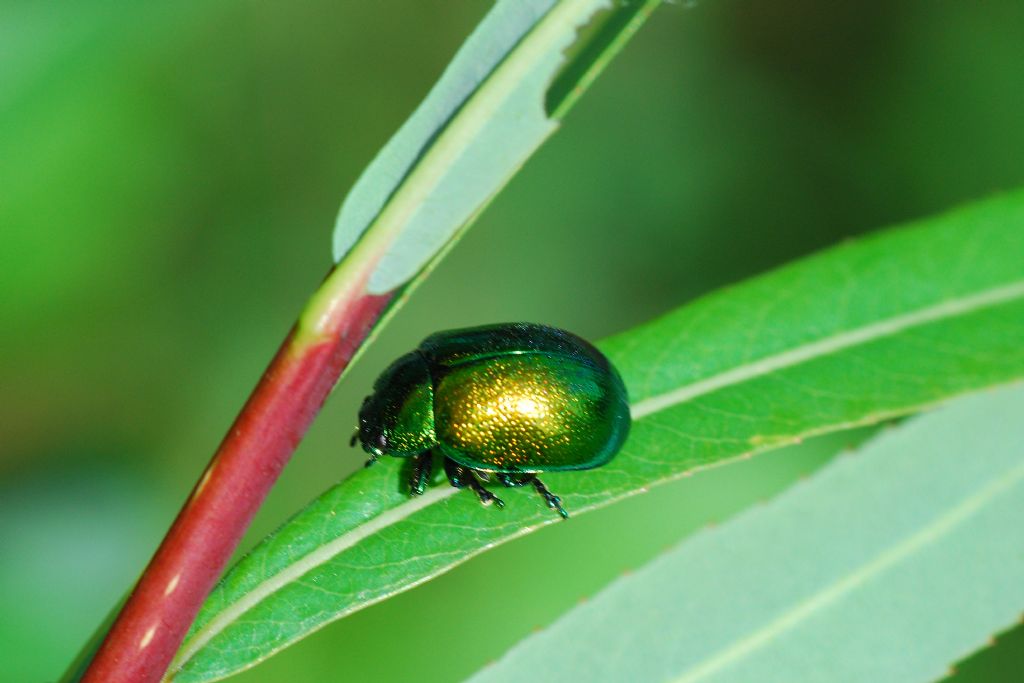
888 565
858 333
479 124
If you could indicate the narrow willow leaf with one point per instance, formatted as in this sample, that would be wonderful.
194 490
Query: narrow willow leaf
887 566
855 334
477 126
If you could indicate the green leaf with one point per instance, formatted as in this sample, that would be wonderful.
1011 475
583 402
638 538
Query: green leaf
479 124
853 335
888 565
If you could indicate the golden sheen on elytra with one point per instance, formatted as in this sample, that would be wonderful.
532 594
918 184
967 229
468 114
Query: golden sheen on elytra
506 401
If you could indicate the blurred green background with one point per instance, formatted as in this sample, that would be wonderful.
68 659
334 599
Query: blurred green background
169 173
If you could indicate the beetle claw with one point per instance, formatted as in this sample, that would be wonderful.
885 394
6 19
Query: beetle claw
487 498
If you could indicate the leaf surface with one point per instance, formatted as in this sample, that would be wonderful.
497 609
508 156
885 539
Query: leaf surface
479 124
856 334
888 565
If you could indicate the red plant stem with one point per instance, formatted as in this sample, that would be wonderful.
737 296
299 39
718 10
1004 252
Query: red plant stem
154 621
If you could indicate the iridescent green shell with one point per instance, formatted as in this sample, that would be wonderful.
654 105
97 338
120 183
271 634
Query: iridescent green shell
505 398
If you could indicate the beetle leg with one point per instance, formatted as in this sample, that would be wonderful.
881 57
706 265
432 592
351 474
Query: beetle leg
460 477
421 467
553 501
485 496
514 480
354 439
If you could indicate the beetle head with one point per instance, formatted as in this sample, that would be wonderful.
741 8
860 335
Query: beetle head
372 432
398 418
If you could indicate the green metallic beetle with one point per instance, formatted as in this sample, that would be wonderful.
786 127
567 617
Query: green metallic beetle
510 400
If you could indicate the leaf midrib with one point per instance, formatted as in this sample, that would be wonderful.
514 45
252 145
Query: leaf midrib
829 345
